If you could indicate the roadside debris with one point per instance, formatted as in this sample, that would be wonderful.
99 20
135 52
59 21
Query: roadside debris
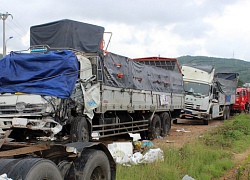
187 177
182 130
168 141
138 152
4 177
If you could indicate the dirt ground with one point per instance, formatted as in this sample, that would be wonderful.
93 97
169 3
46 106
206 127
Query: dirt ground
186 131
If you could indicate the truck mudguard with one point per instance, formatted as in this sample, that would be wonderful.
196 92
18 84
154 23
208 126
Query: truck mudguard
52 74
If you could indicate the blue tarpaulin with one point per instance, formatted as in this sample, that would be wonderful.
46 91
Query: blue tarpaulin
53 74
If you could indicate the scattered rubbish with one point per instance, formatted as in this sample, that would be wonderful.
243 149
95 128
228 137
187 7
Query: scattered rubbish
137 145
136 158
187 177
159 137
147 144
135 136
182 130
4 177
167 141
122 153
153 155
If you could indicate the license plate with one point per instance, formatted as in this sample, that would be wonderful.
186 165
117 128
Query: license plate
19 122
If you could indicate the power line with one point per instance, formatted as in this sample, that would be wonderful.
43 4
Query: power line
14 30
19 26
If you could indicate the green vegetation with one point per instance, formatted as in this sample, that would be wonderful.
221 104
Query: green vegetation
222 65
209 157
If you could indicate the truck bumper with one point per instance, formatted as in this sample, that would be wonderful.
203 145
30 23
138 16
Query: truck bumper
48 125
195 114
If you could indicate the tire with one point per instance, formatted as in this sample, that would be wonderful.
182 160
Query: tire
64 167
224 116
228 112
175 121
155 127
7 164
93 164
35 169
166 123
79 131
205 122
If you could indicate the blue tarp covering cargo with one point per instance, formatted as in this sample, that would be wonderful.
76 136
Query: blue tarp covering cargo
52 74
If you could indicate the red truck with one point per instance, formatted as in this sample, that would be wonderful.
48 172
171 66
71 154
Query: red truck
242 100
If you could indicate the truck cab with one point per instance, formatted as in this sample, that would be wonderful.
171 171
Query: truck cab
208 95
242 100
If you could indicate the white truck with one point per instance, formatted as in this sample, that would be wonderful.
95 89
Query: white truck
68 91
208 95
85 93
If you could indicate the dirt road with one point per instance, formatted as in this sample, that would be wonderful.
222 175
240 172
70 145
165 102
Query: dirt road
186 131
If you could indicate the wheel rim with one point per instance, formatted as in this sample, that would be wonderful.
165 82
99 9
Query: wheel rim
98 174
85 135
157 129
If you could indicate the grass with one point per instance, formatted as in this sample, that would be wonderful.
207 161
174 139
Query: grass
209 157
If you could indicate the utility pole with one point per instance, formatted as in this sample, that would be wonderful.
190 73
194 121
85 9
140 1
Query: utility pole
4 17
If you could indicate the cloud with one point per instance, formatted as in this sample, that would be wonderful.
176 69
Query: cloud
144 27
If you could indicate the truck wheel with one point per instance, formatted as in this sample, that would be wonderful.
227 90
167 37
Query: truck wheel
93 164
35 169
7 164
64 167
228 112
155 127
166 123
175 121
79 130
205 122
224 115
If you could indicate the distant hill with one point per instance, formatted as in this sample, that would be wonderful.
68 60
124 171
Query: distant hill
222 65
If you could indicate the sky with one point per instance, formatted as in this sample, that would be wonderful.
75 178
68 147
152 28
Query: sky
142 28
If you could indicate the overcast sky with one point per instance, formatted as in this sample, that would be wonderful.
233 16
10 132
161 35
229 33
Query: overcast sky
142 28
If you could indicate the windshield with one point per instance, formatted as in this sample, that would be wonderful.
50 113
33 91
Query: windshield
241 93
196 88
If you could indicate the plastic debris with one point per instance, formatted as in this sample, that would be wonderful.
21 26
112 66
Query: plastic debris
182 130
135 136
147 144
4 177
122 153
159 137
187 177
137 145
153 155
168 141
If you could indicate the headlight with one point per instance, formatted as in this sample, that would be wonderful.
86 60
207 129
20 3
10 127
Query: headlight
20 106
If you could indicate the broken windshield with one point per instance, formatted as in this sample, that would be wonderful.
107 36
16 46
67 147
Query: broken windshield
196 88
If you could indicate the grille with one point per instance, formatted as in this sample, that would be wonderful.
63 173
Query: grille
29 109
189 105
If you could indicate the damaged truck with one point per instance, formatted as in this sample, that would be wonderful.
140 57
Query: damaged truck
68 91
208 95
